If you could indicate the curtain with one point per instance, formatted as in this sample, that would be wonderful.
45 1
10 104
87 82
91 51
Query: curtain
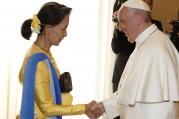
85 52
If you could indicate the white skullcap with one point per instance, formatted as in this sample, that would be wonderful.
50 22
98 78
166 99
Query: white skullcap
136 4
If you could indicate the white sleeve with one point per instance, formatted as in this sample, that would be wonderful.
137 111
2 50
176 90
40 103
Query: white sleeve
111 106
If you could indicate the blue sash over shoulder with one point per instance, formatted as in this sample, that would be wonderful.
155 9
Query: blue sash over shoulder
27 104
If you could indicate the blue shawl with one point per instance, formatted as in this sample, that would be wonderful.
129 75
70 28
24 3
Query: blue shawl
27 104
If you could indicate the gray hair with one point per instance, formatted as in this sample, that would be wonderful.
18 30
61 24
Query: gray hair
145 14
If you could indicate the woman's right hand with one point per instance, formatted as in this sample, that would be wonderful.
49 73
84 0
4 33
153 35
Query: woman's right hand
88 110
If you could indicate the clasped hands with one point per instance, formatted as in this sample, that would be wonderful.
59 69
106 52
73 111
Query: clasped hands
94 110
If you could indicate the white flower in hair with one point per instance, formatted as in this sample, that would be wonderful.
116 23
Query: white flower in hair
35 24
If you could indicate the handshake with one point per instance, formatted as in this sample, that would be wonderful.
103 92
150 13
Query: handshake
94 110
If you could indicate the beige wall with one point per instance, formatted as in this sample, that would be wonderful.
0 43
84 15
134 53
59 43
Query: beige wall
164 10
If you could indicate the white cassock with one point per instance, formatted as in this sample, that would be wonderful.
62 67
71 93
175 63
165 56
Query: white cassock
149 86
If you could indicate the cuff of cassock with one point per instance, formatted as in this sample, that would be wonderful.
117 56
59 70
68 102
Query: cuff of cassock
111 108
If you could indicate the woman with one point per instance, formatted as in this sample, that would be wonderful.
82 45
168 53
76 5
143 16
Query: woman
39 73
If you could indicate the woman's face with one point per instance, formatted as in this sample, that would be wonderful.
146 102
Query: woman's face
58 32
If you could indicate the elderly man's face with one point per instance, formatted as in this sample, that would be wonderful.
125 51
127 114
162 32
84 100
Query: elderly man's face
128 23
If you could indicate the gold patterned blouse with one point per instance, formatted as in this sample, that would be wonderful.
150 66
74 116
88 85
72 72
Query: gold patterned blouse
43 104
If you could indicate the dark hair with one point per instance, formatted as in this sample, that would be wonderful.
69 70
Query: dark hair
117 5
51 13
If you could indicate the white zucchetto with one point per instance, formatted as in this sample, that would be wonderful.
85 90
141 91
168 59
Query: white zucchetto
136 4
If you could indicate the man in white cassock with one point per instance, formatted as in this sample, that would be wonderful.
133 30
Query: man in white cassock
149 86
